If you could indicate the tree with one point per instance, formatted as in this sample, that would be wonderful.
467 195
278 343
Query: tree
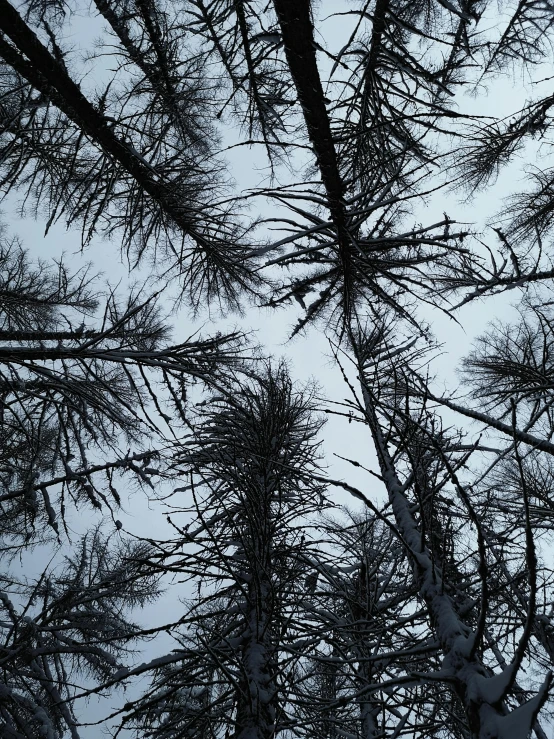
376 129
76 389
161 192
460 625
67 624
250 468
366 633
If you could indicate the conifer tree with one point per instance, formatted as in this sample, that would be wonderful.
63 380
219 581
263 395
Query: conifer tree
247 551
82 376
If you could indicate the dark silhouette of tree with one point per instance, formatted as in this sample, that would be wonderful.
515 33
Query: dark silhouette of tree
466 602
70 624
82 380
139 163
250 478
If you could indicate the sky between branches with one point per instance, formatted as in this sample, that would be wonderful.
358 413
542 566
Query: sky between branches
308 354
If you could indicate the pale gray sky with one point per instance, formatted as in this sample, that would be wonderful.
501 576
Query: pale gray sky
309 354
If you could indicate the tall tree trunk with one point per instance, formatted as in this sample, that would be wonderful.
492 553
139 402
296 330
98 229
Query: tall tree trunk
256 695
480 692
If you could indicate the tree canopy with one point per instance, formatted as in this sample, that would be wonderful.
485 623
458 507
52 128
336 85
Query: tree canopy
425 609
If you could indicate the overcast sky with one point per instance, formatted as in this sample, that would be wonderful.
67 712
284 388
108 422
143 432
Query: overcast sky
308 354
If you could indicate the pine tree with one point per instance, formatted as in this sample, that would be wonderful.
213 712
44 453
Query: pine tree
246 550
77 377
70 624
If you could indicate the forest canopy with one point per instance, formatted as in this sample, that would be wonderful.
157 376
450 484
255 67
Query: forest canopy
407 592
